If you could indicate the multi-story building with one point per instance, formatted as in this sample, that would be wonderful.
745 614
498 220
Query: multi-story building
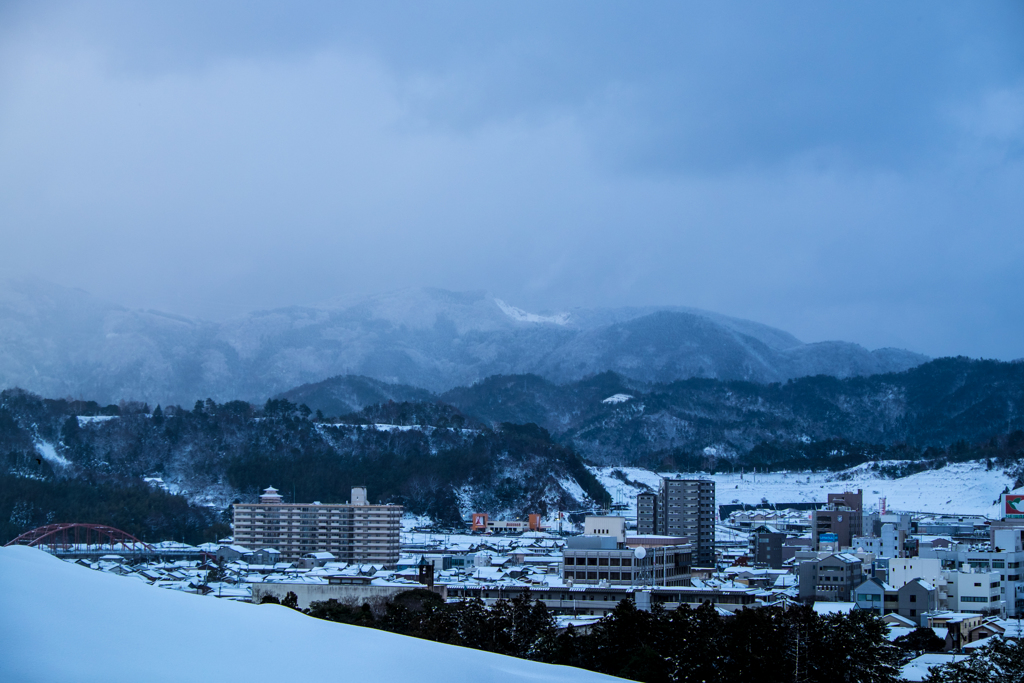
601 560
353 532
834 578
765 547
1003 554
840 520
976 591
682 507
647 514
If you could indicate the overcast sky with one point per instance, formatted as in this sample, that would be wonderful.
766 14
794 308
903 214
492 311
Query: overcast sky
840 170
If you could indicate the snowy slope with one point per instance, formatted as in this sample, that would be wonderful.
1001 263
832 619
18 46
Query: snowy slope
962 488
68 623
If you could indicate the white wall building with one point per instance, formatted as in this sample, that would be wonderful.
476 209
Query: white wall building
975 591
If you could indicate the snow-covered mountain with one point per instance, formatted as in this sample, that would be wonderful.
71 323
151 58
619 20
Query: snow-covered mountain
63 342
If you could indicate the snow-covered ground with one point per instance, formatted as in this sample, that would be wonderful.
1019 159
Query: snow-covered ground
50 454
92 419
961 488
68 623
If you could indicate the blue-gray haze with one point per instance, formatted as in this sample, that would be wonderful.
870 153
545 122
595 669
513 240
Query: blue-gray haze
838 170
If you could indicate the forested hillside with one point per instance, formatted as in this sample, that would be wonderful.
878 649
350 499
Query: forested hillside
612 420
426 456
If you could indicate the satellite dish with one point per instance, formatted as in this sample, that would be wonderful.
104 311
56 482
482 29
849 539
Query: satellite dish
640 553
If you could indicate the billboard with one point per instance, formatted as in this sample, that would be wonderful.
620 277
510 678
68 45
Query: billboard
828 538
1013 506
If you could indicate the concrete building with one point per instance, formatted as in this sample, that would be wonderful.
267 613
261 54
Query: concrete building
903 570
601 525
833 578
599 560
1003 554
647 513
977 592
682 507
766 547
890 541
605 555
353 532
840 520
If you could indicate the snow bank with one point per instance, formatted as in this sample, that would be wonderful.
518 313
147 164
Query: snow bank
62 622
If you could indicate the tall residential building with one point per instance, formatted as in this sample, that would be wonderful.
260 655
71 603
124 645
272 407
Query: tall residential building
682 507
352 532
647 514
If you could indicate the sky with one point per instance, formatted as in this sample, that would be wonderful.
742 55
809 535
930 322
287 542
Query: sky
847 171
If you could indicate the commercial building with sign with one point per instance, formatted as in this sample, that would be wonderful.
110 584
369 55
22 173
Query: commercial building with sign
1012 506
839 522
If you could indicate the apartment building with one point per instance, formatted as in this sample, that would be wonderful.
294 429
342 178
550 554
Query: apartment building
682 507
353 532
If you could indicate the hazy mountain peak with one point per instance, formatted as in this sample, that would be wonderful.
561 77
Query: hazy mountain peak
60 341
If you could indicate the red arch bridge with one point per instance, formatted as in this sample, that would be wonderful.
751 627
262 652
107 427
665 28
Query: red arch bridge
90 541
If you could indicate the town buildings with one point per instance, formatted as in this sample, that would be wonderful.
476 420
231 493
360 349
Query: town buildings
352 532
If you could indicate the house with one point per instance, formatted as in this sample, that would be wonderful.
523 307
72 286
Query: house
958 626
317 559
916 598
877 596
231 553
266 556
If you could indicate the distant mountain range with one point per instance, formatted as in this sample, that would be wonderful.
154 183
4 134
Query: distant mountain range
63 342
614 420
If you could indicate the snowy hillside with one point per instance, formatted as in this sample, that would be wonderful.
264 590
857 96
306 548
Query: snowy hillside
961 488
68 623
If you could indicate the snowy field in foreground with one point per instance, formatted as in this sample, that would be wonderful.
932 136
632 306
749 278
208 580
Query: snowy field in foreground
62 622
962 488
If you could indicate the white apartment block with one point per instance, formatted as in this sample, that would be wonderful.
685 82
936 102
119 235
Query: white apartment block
976 591
355 532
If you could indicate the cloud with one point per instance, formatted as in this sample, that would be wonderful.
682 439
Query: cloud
840 172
